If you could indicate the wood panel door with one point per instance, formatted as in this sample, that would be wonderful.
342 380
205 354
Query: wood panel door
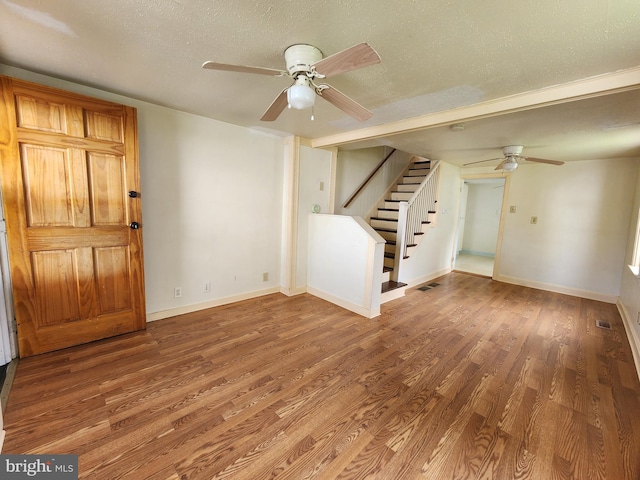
68 163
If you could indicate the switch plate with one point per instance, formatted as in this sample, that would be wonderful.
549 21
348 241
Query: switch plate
206 287
265 277
534 220
512 209
322 186
177 292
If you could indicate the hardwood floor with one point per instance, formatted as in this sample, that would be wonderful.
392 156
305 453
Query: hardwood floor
472 379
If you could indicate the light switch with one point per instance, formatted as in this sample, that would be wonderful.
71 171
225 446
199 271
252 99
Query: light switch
322 186
534 220
512 209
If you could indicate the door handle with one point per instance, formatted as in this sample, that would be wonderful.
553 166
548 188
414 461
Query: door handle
134 225
133 194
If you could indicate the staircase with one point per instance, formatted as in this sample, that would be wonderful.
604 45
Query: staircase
410 204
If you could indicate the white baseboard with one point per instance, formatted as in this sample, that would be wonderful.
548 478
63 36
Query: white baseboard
290 292
2 435
427 278
632 336
151 317
549 287
341 302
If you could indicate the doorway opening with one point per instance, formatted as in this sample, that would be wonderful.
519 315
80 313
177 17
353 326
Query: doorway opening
479 220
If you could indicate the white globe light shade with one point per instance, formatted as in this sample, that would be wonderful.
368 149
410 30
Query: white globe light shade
510 165
301 96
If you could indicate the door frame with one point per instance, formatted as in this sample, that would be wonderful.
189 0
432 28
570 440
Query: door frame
503 212
8 334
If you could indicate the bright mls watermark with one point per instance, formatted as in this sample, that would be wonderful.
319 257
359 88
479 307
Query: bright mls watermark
51 467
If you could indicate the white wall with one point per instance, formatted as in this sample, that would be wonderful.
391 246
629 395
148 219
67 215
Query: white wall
211 207
345 262
211 204
315 168
579 242
629 301
482 218
354 166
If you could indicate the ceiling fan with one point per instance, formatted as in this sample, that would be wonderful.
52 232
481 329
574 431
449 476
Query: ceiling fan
512 158
306 65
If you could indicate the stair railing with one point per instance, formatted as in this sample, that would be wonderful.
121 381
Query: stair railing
368 179
412 213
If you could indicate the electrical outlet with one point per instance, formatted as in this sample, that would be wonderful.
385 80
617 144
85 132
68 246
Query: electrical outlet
206 287
177 292
265 277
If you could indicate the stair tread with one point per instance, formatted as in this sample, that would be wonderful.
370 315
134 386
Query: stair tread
385 219
378 229
389 255
391 285
389 209
387 269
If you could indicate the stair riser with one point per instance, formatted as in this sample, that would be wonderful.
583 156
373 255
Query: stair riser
392 295
407 188
387 214
406 179
422 172
388 235
388 262
391 205
389 248
405 196
393 224
386 276
424 165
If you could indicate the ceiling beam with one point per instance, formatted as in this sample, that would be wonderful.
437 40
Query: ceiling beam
606 84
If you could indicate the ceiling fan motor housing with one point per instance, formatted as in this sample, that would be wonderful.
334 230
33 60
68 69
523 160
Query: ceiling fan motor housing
300 58
512 150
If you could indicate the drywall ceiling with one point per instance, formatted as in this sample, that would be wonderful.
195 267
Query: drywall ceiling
436 56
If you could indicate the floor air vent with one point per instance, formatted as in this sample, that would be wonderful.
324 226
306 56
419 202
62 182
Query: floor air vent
424 288
603 324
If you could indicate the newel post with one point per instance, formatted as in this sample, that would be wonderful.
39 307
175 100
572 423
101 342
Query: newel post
401 241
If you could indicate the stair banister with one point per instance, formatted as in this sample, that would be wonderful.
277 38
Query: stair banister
421 203
368 179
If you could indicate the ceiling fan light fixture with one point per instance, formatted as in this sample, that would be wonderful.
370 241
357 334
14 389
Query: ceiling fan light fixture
510 165
300 95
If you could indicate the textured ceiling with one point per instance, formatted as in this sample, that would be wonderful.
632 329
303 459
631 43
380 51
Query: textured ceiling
436 55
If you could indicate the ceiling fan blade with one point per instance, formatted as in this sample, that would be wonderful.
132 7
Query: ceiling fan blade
358 56
480 161
499 167
243 69
276 107
346 104
543 160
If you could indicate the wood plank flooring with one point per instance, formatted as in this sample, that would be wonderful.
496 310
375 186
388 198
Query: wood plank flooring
472 379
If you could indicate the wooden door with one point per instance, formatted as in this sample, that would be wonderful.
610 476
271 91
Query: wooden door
67 164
